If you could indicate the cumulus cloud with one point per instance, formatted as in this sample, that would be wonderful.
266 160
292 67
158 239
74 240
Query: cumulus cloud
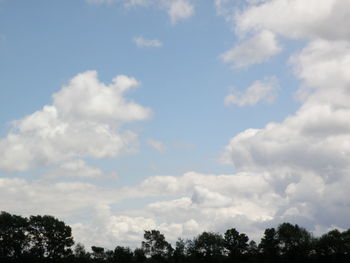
261 90
304 158
298 18
63 199
84 120
186 205
320 123
143 42
253 51
296 170
75 168
292 19
307 155
195 202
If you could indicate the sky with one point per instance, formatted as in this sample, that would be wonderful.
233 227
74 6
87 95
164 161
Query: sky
119 116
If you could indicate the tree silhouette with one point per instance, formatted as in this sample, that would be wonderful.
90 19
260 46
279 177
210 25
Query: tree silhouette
155 245
295 242
179 254
13 237
49 237
235 243
139 255
45 239
208 247
80 253
269 245
122 255
334 246
98 254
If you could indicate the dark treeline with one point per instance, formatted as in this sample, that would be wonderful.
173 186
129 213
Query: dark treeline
47 239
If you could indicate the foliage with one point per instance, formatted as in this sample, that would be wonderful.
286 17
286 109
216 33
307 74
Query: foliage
49 237
42 239
155 245
236 243
295 242
13 237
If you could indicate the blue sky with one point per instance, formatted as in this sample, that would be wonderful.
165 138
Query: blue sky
208 72
48 43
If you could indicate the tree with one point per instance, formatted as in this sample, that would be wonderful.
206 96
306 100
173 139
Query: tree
80 253
180 250
98 253
346 241
122 255
49 237
235 243
334 246
252 248
269 245
208 246
330 243
13 236
155 244
294 241
139 255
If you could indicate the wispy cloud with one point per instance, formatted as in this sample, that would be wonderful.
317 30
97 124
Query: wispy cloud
261 90
180 9
144 42
157 145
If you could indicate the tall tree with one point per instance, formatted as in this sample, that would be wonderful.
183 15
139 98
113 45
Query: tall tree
13 235
49 237
235 243
295 242
80 253
269 245
334 246
179 254
139 255
208 247
122 255
98 254
155 245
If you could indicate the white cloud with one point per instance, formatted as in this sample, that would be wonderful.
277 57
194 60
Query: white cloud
296 170
88 99
261 90
195 202
62 199
206 198
191 204
325 19
179 10
176 9
75 168
255 50
157 145
83 121
320 124
143 42
307 156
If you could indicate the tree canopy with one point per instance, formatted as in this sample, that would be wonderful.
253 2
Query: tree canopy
47 239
